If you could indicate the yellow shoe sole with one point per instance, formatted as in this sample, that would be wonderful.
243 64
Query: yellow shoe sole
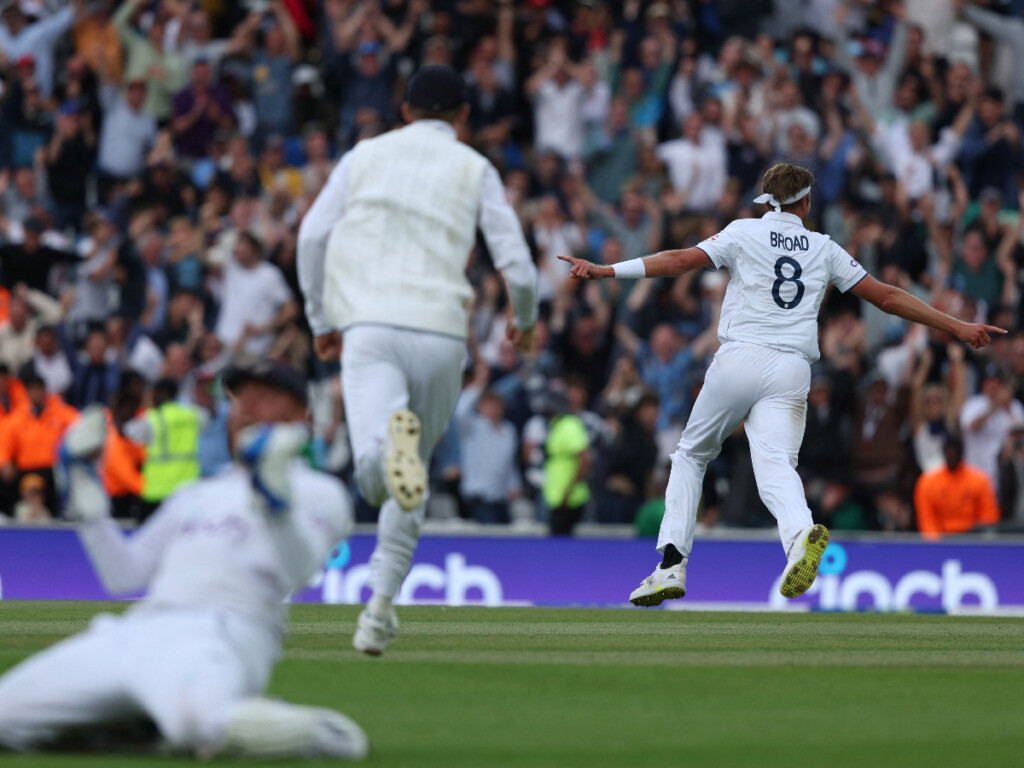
404 470
803 574
657 598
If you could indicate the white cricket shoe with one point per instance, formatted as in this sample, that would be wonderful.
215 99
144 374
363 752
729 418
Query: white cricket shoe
404 473
663 584
802 568
374 633
269 729
266 450
339 736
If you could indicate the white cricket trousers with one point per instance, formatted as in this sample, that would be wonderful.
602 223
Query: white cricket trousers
768 388
186 669
383 370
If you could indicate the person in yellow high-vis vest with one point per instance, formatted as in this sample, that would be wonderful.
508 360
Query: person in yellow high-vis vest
170 431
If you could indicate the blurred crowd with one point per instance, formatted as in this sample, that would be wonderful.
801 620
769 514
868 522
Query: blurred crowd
157 156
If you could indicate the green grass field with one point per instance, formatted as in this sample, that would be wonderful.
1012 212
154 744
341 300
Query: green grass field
551 687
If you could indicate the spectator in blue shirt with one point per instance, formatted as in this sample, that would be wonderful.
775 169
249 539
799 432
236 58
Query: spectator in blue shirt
95 379
665 363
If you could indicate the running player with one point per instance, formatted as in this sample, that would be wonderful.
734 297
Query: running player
779 271
218 559
382 258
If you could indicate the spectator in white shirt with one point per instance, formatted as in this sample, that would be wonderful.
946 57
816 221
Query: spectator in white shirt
94 284
257 301
987 420
791 110
696 167
597 95
49 362
558 106
127 135
29 311
906 147
554 236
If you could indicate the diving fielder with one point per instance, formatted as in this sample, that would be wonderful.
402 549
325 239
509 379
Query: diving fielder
382 259
217 560
779 271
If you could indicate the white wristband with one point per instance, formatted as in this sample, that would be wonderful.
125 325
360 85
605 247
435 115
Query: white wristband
633 269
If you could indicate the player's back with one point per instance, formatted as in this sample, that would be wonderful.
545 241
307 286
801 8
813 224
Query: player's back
779 271
398 255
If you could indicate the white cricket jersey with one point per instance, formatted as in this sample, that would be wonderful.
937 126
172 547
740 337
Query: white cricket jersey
207 547
387 240
779 271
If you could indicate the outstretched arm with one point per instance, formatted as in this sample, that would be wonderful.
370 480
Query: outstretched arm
896 301
124 564
663 264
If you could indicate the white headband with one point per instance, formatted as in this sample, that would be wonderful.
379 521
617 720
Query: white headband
769 200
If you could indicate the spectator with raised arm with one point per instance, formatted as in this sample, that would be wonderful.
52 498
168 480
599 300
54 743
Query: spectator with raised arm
987 419
1007 29
147 57
873 76
935 407
20 36
558 98
127 135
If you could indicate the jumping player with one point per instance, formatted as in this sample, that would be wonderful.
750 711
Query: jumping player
218 559
382 258
779 271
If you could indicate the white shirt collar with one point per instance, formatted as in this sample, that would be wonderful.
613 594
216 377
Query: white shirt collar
781 216
436 125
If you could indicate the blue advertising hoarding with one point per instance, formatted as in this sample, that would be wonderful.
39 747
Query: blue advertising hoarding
857 574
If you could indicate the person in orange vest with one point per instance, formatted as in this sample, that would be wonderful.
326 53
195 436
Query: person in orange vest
12 397
29 436
121 467
954 497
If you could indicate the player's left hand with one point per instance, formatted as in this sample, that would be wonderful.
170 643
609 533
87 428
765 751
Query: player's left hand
585 270
266 450
523 341
328 346
977 334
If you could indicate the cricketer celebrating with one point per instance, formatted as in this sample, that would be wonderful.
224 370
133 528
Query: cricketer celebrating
382 258
217 559
761 374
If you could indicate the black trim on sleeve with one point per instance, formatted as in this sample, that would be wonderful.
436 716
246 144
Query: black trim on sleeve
857 283
711 262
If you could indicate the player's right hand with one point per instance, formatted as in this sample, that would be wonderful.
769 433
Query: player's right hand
328 346
585 270
977 334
